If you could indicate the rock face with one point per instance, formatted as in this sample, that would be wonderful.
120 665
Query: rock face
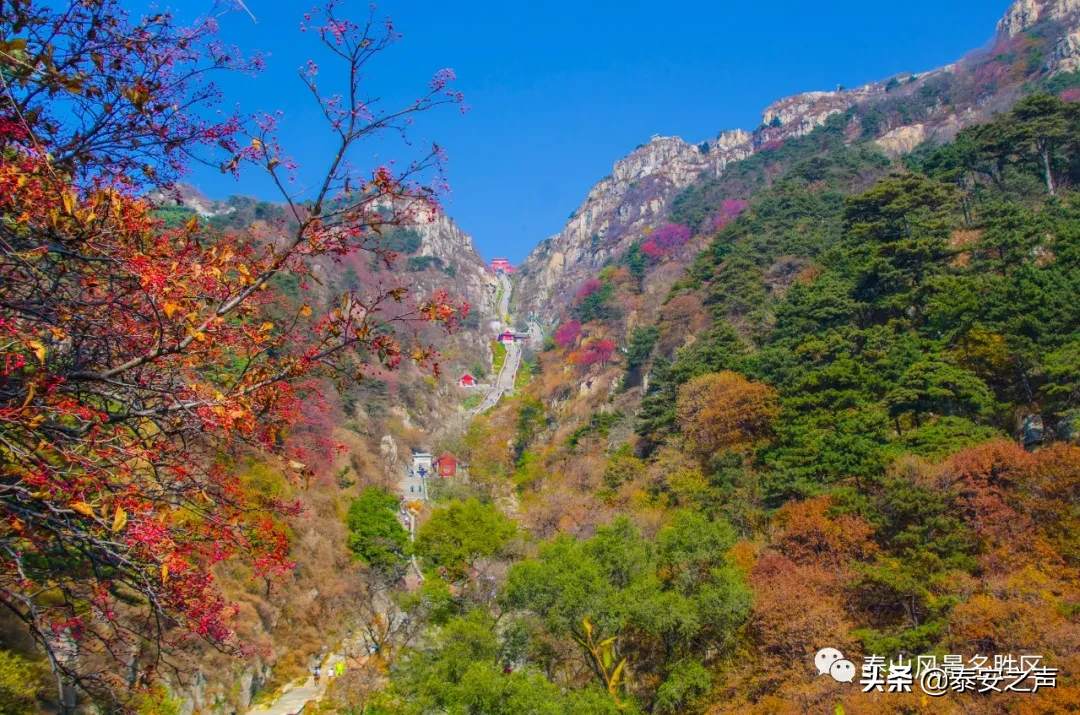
902 140
617 209
1022 15
440 237
798 115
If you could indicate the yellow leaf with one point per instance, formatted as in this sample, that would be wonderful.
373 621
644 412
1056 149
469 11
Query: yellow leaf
266 327
256 144
588 626
30 392
39 350
171 308
197 334
164 573
192 224
306 310
83 508
119 519
617 673
243 269
69 201
18 525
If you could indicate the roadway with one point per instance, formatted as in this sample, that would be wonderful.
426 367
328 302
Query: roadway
504 381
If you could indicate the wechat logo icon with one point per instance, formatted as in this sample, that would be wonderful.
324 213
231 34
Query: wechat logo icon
830 661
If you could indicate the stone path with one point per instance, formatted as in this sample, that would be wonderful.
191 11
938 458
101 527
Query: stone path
295 700
504 382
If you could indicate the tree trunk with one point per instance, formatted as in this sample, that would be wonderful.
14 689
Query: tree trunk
1046 167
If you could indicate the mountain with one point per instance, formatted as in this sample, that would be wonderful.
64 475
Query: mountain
434 248
1035 40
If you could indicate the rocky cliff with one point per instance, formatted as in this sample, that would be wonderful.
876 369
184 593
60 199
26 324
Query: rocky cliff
897 113
634 196
442 238
1023 15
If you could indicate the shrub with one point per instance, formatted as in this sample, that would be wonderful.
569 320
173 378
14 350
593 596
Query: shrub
415 264
375 536
567 334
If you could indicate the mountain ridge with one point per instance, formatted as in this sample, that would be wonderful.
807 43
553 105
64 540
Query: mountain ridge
637 196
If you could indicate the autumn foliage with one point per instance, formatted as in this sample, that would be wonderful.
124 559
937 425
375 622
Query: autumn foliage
567 334
666 239
725 412
593 352
588 287
139 361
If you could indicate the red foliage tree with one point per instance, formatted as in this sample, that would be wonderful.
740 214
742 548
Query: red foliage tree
136 360
567 334
665 239
651 249
671 236
729 211
588 287
595 352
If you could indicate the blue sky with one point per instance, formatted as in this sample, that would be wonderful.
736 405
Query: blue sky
560 90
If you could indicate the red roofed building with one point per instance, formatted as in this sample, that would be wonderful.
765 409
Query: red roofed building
445 465
466 380
501 265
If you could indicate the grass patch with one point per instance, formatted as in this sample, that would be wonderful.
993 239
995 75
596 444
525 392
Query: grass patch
472 401
499 357
524 375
